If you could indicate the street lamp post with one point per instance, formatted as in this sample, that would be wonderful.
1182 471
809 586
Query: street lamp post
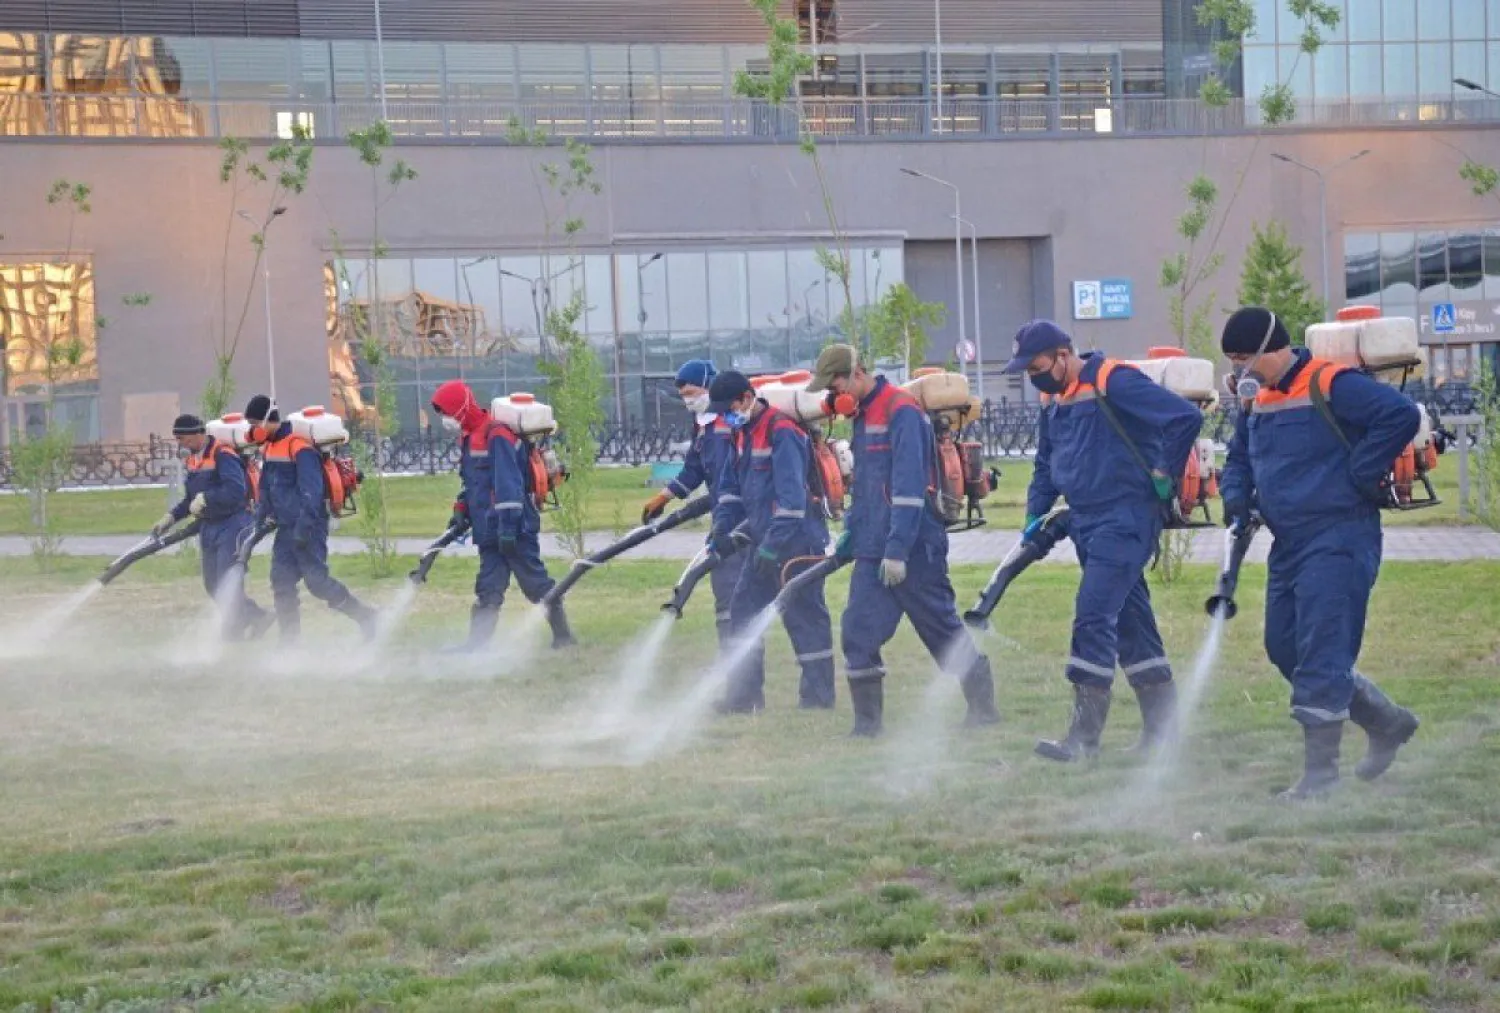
1468 85
978 330
937 51
265 261
380 60
1322 175
958 250
463 269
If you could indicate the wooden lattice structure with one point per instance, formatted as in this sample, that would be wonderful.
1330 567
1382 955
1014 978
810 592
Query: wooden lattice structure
48 326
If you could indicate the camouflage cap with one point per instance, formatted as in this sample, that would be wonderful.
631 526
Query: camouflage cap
836 360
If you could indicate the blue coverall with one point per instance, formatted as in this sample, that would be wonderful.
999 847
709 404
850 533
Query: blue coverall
496 475
711 452
765 487
890 518
1320 500
293 494
1117 516
219 476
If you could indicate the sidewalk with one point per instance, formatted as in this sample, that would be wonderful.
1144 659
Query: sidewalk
983 546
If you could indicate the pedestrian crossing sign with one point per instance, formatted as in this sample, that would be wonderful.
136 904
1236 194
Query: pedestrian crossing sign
1444 318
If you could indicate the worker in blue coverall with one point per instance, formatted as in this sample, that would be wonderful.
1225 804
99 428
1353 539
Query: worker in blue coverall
294 497
711 451
898 543
1318 476
499 498
217 496
765 497
1110 441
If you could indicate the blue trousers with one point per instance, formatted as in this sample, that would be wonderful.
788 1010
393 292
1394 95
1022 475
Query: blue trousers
926 598
309 565
1112 618
1317 591
807 624
217 544
723 579
496 569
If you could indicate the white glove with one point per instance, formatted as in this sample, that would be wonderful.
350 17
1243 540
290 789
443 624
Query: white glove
892 571
160 527
198 505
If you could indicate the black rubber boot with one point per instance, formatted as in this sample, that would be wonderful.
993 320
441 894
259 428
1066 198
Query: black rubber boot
1158 717
562 635
1387 726
362 614
868 698
482 621
288 624
1321 762
1090 711
259 622
979 694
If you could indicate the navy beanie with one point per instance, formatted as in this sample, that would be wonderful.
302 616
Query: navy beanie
698 372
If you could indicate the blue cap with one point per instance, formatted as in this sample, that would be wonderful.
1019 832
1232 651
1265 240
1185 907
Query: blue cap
698 372
1033 339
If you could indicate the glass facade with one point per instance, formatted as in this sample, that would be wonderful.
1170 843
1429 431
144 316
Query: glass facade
1408 273
50 335
157 86
1396 58
481 317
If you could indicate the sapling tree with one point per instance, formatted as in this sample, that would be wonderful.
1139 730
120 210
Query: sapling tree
898 325
1272 277
378 345
265 183
576 382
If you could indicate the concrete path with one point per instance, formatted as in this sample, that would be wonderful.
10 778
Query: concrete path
985 546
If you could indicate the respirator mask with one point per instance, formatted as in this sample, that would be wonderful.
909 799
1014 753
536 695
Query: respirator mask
697 404
1239 382
451 424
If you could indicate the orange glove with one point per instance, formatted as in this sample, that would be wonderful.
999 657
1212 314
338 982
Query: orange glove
655 506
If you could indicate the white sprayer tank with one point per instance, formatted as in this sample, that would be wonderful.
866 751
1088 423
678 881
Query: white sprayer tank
939 390
1180 373
318 426
523 414
788 393
232 430
1363 339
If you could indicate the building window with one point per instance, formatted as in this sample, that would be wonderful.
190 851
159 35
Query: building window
49 332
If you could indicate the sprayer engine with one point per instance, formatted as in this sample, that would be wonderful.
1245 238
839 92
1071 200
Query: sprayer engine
341 480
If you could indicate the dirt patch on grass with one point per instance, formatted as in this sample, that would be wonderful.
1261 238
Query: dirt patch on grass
696 907
289 900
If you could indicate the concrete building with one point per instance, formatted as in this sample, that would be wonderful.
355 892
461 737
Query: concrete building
1059 126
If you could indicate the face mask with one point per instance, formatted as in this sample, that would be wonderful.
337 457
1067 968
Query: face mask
734 419
1242 381
697 404
451 424
1047 383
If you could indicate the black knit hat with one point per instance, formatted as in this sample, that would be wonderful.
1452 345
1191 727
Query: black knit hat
727 388
188 425
262 409
1248 328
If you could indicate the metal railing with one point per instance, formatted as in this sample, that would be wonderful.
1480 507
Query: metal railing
94 116
1004 429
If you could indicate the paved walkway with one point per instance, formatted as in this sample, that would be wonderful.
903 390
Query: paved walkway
985 545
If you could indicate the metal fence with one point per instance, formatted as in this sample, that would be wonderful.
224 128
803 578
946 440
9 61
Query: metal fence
868 118
1005 429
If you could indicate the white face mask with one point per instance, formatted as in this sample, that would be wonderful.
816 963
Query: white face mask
697 404
451 424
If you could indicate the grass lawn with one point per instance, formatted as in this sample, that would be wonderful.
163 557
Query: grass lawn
270 832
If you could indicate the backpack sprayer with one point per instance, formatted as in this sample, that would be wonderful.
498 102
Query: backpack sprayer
534 422
150 547
961 482
1034 546
1237 541
1360 338
455 530
697 508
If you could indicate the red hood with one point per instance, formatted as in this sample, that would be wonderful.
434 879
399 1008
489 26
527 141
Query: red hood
456 400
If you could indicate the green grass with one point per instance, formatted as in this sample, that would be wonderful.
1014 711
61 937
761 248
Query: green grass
420 505
265 834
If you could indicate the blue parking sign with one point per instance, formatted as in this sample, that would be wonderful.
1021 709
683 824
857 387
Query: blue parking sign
1444 318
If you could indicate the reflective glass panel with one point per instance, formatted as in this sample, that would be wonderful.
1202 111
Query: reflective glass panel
769 305
687 289
1331 73
1364 21
599 314
1465 263
1398 267
1361 266
1365 74
1432 266
1433 22
1434 60
1400 71
1492 264
1400 20
728 297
